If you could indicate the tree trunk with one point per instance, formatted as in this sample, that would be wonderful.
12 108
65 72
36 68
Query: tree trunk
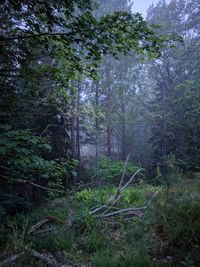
109 110
123 138
96 118
78 154
73 138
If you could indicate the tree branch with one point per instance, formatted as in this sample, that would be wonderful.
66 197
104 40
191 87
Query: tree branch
128 209
113 199
48 259
40 186
11 259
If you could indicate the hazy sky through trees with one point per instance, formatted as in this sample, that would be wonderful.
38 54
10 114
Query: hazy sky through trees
141 6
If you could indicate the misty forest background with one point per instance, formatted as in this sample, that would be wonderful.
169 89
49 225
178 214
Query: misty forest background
91 94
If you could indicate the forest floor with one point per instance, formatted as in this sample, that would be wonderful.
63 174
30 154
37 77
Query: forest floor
64 232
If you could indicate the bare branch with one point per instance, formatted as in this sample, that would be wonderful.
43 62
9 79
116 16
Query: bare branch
40 186
11 259
37 225
48 126
48 259
123 174
131 179
113 199
132 209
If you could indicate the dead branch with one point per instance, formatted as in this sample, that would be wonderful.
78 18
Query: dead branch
123 174
11 259
44 257
133 209
101 207
48 259
117 196
40 186
35 229
79 187
37 226
46 231
128 211
113 199
48 126
131 179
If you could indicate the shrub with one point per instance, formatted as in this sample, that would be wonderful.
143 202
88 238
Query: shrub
24 156
176 221
109 171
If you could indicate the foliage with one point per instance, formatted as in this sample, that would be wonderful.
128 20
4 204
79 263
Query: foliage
43 55
167 234
24 156
177 227
173 174
175 103
109 170
19 151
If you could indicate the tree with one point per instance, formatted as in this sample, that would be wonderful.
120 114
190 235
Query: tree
176 80
47 46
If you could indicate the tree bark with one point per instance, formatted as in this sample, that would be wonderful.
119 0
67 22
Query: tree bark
73 137
78 154
109 109
96 118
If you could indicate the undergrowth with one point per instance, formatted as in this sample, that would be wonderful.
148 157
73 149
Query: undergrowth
167 235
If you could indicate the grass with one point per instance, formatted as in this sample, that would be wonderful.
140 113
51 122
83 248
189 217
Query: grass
168 234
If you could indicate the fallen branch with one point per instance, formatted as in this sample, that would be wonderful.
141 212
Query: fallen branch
46 231
131 179
48 259
37 225
113 199
11 259
45 258
118 212
117 196
123 175
127 210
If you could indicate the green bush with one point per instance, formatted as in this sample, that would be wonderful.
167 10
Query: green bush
95 241
56 241
176 221
24 156
109 171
